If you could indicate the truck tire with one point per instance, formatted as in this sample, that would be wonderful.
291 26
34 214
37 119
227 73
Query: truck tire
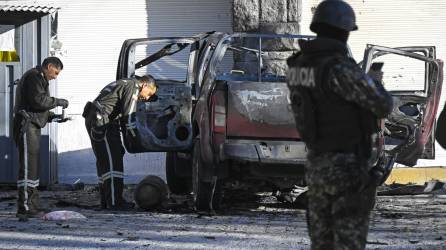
207 195
178 184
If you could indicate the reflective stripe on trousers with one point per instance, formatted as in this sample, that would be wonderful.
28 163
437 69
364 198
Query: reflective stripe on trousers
28 183
132 125
25 178
28 145
111 174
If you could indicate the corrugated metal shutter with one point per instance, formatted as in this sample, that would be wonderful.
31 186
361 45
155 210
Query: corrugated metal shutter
396 23
189 17
185 18
92 32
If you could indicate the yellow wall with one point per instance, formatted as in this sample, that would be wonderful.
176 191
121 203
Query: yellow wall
416 175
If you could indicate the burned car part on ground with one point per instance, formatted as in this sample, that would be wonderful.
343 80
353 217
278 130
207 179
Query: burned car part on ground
223 110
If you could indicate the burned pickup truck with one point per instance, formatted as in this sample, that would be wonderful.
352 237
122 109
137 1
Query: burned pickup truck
223 111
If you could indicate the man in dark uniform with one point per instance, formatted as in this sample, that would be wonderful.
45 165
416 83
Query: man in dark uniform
336 107
31 113
115 106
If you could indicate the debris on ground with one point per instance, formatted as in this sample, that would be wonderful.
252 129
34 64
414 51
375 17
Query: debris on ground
295 196
6 195
435 186
132 238
397 222
88 198
63 215
377 243
176 204
431 187
414 241
66 187
401 189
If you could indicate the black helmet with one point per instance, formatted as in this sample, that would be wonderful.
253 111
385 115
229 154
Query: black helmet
335 13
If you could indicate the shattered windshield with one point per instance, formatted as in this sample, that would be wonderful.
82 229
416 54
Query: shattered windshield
164 61
256 58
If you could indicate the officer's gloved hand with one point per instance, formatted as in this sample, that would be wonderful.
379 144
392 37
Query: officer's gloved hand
58 118
62 120
62 102
52 116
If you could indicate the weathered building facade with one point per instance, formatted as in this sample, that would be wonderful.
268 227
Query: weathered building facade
269 16
31 26
90 34
395 23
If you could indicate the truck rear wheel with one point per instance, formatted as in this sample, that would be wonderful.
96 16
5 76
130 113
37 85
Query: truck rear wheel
207 195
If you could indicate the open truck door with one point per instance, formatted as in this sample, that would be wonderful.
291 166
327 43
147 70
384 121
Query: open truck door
163 124
414 77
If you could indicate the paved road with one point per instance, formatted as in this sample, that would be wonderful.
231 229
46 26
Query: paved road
398 222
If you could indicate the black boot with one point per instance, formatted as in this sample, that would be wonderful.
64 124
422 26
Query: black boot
30 213
102 196
34 202
122 205
27 204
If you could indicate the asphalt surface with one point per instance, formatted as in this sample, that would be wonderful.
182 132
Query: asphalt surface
248 221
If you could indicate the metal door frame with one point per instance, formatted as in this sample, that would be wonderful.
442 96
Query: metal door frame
33 47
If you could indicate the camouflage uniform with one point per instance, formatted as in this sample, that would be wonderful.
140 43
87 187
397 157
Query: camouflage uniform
340 196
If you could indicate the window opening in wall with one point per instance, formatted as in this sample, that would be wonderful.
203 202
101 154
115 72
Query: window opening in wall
8 44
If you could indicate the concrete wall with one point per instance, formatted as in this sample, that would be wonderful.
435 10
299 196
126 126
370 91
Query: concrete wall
269 16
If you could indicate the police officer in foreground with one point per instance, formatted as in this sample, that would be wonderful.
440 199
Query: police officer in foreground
115 106
336 107
33 103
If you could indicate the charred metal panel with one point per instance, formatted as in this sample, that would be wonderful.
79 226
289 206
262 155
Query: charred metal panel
282 153
260 109
265 152
404 129
165 124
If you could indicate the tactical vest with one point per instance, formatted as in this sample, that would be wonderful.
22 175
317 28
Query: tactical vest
326 122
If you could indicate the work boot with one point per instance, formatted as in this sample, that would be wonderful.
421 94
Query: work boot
122 206
35 204
102 197
40 208
23 214
28 203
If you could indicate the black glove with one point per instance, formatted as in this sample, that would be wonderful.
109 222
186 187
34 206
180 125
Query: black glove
58 118
63 120
51 116
62 102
